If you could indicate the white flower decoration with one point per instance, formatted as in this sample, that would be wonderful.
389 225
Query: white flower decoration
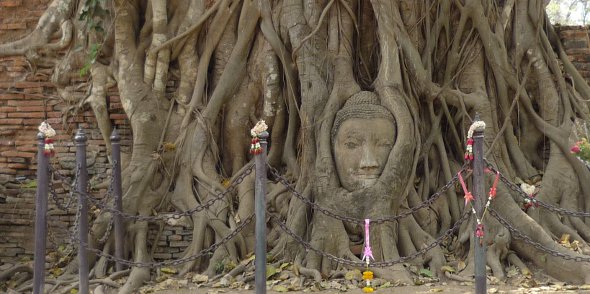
258 128
46 129
529 189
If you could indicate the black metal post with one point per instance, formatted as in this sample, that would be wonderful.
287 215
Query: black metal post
80 139
117 190
260 210
479 203
40 216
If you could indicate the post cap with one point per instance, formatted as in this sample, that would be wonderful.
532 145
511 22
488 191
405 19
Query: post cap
263 135
40 136
115 135
80 136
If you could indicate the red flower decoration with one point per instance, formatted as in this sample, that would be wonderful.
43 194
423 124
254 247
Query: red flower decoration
575 149
479 231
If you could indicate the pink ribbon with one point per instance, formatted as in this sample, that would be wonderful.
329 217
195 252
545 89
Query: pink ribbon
367 253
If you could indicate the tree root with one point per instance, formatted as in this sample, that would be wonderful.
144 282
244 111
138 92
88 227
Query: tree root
458 278
19 268
310 273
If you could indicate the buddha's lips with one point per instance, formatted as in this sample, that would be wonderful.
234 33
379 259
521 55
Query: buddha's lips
368 177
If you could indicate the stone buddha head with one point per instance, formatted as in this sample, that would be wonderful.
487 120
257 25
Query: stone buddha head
362 137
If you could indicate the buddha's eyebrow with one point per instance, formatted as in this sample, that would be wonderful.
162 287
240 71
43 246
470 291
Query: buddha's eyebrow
354 134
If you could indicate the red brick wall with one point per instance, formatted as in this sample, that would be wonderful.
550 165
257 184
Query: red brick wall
26 99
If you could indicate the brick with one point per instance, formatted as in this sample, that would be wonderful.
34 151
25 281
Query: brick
32 108
118 116
11 3
15 69
24 102
24 85
11 96
7 109
26 114
179 243
11 121
162 255
7 171
174 238
17 160
33 90
13 26
573 34
18 165
32 121
576 43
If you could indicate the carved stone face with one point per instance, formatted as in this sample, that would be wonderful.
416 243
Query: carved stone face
361 150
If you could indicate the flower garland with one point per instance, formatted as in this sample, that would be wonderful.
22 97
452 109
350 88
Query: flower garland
48 132
530 201
476 126
367 256
255 147
479 229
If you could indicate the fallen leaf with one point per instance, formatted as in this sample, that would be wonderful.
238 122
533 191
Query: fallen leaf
168 270
353 275
565 239
270 271
426 273
284 265
279 288
200 279
447 268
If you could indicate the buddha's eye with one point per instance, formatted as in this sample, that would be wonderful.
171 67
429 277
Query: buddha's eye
385 144
351 145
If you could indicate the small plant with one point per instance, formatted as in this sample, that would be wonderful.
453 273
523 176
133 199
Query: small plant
29 185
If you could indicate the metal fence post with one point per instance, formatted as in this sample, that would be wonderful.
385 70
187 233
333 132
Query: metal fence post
479 203
260 210
40 215
80 139
117 190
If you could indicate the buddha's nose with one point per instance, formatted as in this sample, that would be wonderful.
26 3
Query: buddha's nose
368 159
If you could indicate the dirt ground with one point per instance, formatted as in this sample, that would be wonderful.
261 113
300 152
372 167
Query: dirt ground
452 288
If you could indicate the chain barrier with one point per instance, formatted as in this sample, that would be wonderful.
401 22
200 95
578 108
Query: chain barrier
175 262
519 235
64 181
512 186
107 233
167 216
359 221
389 263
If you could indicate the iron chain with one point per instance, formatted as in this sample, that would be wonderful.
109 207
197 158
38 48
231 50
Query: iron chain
107 233
512 186
70 186
380 220
165 217
389 263
519 235
175 262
